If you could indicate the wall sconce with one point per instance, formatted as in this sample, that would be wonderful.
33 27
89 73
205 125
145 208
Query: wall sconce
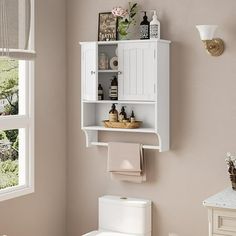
214 46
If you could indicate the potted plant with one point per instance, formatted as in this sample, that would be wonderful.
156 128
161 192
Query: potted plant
231 162
126 18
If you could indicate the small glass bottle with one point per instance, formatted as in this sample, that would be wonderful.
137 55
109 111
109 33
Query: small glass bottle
132 117
100 92
113 114
122 115
114 89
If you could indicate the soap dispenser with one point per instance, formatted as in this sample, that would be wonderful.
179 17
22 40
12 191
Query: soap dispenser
122 115
155 27
113 114
145 27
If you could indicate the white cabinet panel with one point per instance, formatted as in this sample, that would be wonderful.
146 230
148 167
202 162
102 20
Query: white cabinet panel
89 71
224 222
138 71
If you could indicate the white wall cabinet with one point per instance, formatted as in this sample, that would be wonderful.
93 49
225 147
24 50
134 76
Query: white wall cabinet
143 86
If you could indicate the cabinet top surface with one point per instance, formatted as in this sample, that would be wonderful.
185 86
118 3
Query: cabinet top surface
224 199
128 41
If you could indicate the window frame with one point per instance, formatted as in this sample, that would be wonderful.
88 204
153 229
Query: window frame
25 122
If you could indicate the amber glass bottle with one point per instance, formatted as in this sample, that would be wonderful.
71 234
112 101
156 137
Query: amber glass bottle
100 92
113 114
132 117
114 89
122 115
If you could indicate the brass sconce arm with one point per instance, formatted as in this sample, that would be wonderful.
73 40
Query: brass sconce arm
214 47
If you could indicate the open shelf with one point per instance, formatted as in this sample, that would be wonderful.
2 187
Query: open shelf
139 130
120 102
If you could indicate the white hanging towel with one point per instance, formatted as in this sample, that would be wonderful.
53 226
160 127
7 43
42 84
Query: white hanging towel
126 162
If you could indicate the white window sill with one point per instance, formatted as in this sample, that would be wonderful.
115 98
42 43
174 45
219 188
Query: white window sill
14 192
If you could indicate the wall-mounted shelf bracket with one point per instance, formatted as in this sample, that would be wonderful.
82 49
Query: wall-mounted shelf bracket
91 137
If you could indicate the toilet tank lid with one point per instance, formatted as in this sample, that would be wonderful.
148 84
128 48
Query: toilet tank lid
105 233
125 201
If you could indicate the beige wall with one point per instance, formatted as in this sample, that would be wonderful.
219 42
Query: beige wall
43 213
203 118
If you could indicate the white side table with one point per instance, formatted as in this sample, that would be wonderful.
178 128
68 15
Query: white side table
222 213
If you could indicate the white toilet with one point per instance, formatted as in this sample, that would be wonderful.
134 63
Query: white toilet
120 216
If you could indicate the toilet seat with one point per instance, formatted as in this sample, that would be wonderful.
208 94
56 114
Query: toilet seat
105 233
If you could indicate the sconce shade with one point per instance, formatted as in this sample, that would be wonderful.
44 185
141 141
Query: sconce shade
206 31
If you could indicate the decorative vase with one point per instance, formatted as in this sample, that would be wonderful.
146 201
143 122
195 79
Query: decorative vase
233 181
123 30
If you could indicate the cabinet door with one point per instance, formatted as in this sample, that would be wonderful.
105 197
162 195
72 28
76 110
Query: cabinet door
89 71
138 71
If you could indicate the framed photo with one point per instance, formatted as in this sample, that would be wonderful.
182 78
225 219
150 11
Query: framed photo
107 27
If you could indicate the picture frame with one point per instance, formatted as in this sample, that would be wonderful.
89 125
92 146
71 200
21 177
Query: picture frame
107 27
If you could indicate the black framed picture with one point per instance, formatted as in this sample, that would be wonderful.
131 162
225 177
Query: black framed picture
107 27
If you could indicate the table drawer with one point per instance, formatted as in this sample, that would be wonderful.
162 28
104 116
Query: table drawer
224 222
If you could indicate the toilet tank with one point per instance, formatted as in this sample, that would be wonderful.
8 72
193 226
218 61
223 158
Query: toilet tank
125 215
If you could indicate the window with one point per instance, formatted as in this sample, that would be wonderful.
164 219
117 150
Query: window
16 128
17 101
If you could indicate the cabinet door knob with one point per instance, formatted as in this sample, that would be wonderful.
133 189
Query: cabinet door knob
93 72
119 72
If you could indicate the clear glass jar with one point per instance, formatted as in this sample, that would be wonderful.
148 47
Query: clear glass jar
103 61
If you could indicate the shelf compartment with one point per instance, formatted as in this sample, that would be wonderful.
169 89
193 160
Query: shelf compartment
94 113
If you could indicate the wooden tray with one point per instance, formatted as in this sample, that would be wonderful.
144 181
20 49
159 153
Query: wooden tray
122 125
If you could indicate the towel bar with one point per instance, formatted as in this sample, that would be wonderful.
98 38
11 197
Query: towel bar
102 144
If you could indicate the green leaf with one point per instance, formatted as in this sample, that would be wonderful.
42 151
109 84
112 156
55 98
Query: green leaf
132 15
135 4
